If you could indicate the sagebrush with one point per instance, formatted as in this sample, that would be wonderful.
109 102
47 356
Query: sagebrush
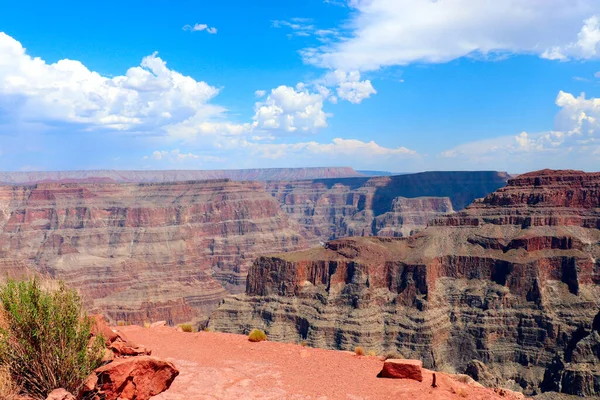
45 337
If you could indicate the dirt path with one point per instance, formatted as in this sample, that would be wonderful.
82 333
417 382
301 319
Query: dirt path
224 366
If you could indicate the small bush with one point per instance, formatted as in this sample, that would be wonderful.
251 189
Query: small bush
257 335
359 351
187 327
372 353
44 338
147 324
303 343
392 355
207 329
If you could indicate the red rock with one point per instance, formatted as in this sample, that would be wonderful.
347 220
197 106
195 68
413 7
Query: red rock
136 378
99 326
129 349
402 369
60 394
158 324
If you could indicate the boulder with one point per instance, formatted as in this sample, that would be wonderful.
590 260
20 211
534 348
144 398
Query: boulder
402 369
158 324
60 394
136 378
99 326
128 349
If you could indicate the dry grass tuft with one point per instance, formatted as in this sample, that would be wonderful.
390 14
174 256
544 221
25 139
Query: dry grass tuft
8 388
303 343
359 351
187 328
147 324
207 329
392 355
257 335
372 353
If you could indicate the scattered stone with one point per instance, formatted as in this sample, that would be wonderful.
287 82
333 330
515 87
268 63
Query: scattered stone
60 394
136 378
128 349
99 326
402 369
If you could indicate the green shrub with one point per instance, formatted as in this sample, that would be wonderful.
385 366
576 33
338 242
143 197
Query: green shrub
44 337
257 335
186 327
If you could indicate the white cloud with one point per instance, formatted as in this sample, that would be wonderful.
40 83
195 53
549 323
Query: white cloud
260 93
176 156
586 46
349 86
576 131
148 98
400 32
199 28
289 109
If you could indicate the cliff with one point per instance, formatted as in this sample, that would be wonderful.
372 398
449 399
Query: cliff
511 281
144 251
385 206
173 251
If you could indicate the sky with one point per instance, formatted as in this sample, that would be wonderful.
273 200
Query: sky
394 85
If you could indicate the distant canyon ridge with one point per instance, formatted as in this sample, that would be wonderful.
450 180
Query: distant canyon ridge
153 245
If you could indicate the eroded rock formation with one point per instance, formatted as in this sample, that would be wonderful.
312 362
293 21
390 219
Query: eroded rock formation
511 281
172 251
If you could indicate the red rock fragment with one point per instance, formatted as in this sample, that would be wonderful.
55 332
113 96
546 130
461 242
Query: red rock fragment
127 349
99 326
137 378
402 369
158 324
60 394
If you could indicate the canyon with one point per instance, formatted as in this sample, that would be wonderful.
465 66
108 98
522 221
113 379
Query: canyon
174 250
505 290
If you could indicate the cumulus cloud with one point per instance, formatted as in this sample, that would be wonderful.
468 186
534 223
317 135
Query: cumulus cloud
586 46
349 86
289 109
149 97
576 131
200 27
399 32
260 93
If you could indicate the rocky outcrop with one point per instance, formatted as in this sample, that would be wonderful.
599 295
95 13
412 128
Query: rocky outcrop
510 282
107 176
142 252
173 251
402 369
384 206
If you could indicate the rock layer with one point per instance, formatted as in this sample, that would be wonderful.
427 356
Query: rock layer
511 281
143 251
173 251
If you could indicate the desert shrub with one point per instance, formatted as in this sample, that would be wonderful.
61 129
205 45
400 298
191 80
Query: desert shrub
45 340
392 355
207 329
187 327
257 335
303 343
372 353
359 351
147 324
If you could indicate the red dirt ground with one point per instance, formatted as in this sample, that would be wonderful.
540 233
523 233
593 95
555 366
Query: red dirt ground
225 366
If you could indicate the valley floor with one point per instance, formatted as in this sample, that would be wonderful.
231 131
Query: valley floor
226 366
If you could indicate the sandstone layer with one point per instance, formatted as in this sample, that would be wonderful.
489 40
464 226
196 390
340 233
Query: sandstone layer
506 290
143 251
385 206
173 251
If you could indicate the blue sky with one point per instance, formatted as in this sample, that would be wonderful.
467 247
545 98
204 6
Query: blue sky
398 85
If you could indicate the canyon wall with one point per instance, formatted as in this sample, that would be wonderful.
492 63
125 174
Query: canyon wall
173 251
388 206
505 290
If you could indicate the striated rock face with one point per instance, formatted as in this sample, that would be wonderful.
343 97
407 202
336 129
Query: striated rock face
144 251
173 251
511 281
385 206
